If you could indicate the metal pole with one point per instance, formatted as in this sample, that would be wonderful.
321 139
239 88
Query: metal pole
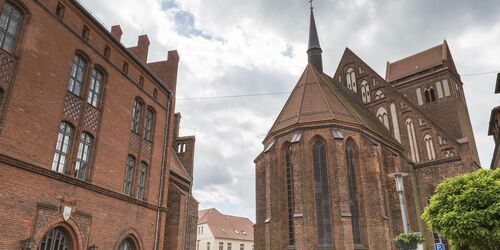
403 211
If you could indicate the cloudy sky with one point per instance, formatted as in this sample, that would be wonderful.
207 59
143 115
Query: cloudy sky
247 47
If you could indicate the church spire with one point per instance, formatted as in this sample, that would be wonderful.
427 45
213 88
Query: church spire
314 50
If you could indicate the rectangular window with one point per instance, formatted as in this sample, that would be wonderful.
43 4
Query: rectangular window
95 87
136 116
125 68
11 21
208 245
148 128
141 82
242 246
83 156
60 11
221 245
85 33
107 51
61 155
229 246
77 75
129 174
446 87
141 185
198 245
419 97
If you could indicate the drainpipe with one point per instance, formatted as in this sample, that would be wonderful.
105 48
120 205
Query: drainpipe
163 170
187 224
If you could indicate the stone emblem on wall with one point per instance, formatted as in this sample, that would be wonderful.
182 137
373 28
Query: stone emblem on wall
66 213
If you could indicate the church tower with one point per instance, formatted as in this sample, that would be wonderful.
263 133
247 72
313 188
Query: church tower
321 181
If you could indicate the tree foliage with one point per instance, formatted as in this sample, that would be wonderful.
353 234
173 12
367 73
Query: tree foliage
466 210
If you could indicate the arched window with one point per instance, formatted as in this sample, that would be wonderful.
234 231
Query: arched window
148 126
289 191
412 140
351 79
430 95
365 91
127 244
383 116
83 156
55 239
322 198
142 183
429 144
95 87
77 75
11 21
129 174
353 195
379 94
136 116
61 155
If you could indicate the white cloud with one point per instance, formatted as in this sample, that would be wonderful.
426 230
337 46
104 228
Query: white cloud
238 47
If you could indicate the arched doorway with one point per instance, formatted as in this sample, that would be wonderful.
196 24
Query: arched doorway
56 239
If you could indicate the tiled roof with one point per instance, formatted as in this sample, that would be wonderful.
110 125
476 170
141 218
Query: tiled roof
226 226
317 99
423 60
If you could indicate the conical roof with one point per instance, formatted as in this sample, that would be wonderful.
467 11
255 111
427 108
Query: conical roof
317 100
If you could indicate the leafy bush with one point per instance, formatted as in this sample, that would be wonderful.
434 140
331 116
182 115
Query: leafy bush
466 210
409 237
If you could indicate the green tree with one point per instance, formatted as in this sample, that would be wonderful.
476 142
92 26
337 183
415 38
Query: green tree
466 210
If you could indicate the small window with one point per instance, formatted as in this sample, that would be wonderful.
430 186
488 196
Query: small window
221 245
129 173
208 245
155 94
229 246
107 51
85 33
337 134
11 20
125 68
141 82
297 136
60 11
242 246
141 184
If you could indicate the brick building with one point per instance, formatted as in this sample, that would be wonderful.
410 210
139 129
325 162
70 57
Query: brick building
90 154
494 129
322 180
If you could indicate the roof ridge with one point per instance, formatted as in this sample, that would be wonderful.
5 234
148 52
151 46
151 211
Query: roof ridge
323 94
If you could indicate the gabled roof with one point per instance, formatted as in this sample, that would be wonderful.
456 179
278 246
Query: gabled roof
226 226
423 60
316 99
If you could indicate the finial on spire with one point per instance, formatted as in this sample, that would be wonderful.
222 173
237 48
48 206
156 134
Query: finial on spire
314 50
311 2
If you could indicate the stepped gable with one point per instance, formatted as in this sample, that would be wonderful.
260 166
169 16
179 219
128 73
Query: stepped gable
317 100
435 56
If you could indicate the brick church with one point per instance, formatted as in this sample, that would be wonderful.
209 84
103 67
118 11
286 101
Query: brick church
90 151
322 180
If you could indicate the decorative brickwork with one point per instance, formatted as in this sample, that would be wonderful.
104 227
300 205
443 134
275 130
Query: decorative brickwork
91 117
7 63
72 107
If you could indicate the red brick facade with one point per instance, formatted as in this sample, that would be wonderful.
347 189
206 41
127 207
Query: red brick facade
440 146
36 100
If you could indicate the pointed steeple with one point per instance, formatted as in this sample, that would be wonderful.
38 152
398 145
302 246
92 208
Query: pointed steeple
314 50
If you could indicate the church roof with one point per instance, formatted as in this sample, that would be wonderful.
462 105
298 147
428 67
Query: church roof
423 60
177 167
316 99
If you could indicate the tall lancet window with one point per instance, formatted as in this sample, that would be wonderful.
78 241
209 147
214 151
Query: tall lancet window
289 195
412 140
351 79
429 144
322 200
353 192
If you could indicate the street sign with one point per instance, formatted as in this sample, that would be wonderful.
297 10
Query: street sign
438 246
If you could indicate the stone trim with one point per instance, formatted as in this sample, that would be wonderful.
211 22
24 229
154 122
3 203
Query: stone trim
437 162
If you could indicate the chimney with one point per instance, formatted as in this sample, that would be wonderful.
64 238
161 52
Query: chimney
142 48
117 32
